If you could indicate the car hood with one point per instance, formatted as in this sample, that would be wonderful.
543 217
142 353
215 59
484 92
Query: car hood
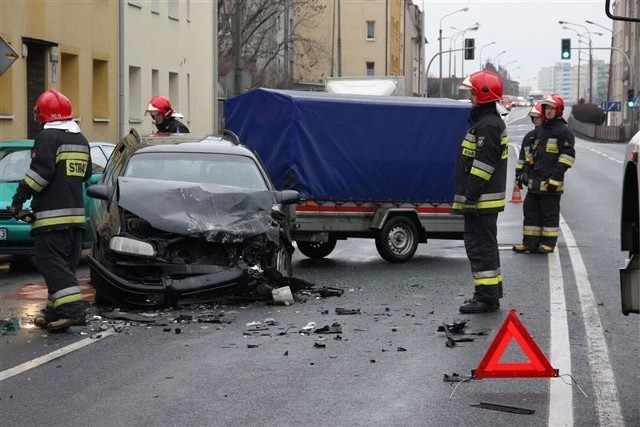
217 213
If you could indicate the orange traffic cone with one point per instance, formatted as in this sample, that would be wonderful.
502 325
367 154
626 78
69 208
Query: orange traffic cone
516 197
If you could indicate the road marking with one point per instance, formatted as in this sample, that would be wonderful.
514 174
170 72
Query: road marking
560 394
604 382
38 361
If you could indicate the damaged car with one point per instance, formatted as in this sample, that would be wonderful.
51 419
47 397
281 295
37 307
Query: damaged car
183 219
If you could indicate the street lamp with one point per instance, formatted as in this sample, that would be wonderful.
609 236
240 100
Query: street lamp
480 55
580 35
510 62
452 44
495 58
610 55
465 9
590 57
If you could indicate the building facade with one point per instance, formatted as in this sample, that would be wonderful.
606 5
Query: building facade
68 46
109 58
365 39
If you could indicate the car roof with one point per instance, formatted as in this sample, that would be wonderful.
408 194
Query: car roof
28 143
162 143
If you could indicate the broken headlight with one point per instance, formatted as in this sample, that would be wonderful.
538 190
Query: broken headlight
125 245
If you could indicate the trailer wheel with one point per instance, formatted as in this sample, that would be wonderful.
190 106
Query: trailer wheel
317 250
398 240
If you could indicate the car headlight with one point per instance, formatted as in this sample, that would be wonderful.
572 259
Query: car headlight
125 245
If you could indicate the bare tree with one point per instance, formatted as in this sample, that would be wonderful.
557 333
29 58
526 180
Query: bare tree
268 36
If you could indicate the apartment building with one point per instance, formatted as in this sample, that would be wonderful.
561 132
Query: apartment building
69 46
109 58
364 38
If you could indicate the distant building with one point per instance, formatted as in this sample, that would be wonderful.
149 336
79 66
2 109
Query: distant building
365 39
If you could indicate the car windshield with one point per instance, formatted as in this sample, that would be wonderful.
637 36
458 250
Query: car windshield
14 163
221 169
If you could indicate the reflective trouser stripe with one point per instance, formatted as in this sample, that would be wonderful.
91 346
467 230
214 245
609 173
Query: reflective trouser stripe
66 300
549 232
530 230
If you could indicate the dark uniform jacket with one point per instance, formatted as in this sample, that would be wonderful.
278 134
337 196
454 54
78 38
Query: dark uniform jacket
172 125
60 162
481 170
527 142
550 155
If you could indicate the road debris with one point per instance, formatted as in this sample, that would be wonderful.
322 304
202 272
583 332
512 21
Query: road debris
342 311
504 408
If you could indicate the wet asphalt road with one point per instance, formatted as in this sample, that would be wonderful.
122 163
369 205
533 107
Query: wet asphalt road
386 367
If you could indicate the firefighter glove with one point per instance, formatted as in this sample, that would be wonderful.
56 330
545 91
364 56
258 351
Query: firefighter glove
470 208
524 178
15 209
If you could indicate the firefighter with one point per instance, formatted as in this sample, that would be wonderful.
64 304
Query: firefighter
551 154
531 232
481 175
163 115
60 163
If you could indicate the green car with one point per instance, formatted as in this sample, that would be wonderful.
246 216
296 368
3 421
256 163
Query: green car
15 158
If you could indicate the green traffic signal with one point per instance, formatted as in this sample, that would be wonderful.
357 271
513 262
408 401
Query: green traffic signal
565 50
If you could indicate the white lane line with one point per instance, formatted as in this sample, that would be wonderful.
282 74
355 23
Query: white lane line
560 394
8 373
604 382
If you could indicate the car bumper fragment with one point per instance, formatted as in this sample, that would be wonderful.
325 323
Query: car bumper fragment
119 289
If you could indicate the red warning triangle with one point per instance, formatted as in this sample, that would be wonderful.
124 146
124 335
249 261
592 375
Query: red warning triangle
491 367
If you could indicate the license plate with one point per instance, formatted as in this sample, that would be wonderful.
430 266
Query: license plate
3 233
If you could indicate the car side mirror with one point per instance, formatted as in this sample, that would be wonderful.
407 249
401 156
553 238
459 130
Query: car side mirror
287 197
99 191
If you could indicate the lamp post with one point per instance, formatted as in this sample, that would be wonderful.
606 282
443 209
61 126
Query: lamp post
610 56
579 52
465 9
473 28
590 57
480 55
452 43
495 58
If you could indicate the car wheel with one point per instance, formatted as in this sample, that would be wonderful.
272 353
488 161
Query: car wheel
398 240
317 250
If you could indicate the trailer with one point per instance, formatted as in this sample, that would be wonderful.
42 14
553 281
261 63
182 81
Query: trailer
365 166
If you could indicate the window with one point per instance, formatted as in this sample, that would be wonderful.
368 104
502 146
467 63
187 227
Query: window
174 90
173 9
100 89
370 68
155 82
69 81
6 95
135 95
371 30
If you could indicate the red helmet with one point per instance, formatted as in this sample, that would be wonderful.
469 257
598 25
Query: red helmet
52 106
536 110
487 84
161 104
555 101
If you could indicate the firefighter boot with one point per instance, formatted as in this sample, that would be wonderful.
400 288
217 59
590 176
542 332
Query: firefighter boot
63 323
522 249
545 249
474 306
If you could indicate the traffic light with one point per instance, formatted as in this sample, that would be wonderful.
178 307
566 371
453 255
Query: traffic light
565 52
469 48
630 97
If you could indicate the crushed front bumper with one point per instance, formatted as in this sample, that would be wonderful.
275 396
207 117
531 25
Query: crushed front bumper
171 292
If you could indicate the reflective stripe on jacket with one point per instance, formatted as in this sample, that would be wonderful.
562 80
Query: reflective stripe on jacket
60 162
481 170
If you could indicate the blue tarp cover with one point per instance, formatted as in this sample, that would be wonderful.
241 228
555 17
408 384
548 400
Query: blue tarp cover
332 147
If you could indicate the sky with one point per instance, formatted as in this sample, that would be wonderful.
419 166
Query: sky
528 31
